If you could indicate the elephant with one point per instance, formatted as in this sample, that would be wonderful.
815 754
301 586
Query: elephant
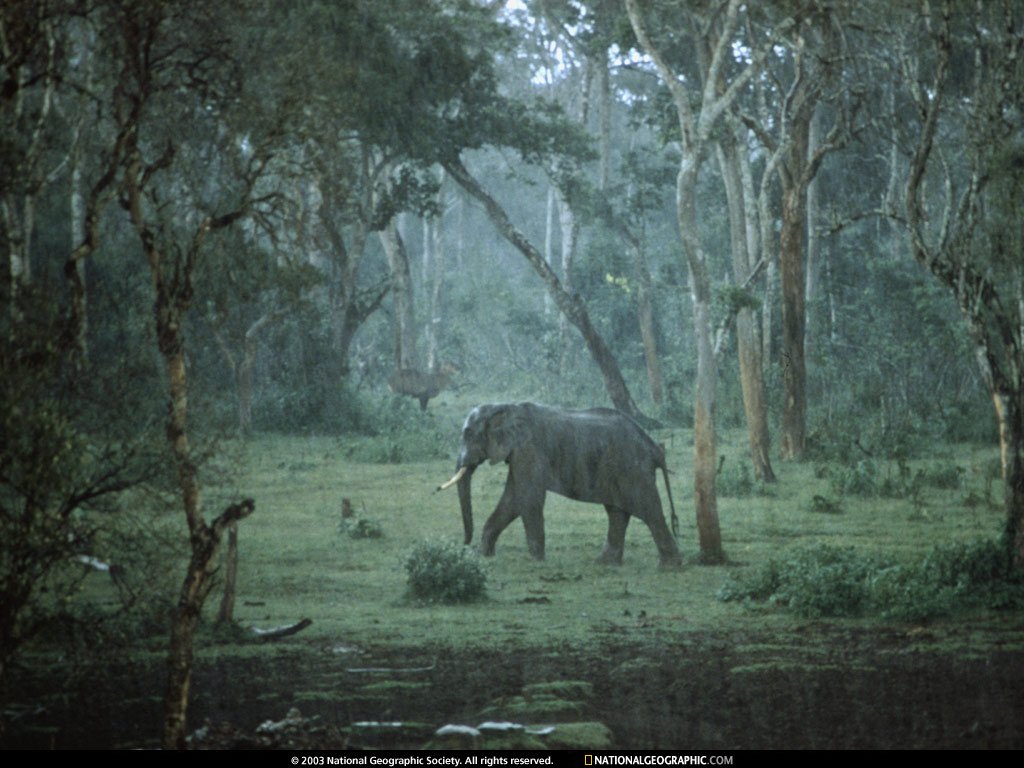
599 455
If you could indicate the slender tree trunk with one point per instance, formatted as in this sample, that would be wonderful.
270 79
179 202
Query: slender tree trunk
549 238
747 342
812 279
645 315
1010 415
226 614
402 294
570 228
794 407
605 124
572 306
436 282
705 462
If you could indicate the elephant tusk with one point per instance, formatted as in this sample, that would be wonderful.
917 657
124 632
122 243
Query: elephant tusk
455 478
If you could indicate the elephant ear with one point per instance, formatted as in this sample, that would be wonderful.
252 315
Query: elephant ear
505 432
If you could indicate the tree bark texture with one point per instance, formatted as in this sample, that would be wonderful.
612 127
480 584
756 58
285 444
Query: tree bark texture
705 461
226 614
402 295
569 226
570 305
645 315
791 269
747 342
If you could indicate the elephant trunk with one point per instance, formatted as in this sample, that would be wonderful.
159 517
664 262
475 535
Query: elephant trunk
466 502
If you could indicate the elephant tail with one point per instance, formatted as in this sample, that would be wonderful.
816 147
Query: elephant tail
671 504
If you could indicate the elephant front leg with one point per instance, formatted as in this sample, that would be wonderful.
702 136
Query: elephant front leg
614 547
502 515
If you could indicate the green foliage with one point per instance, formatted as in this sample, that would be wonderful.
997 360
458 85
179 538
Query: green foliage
823 505
398 431
826 580
360 528
445 573
735 479
865 479
860 479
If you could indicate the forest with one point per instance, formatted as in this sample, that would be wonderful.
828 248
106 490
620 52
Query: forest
270 269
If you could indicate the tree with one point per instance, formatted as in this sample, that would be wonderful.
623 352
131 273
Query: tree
971 239
799 161
698 115
174 210
743 238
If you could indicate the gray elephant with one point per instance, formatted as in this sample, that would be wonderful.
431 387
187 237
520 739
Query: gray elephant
599 455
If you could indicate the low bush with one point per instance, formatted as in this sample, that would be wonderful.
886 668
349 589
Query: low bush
360 528
445 573
826 580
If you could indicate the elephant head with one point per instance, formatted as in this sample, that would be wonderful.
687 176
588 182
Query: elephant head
490 433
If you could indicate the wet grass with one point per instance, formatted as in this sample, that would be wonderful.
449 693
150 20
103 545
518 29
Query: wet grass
663 636
297 561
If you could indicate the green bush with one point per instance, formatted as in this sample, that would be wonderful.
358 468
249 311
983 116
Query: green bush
735 480
825 505
445 573
822 580
949 477
861 479
361 528
825 580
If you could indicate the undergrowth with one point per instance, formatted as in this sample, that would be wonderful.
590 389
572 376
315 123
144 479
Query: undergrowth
829 580
445 573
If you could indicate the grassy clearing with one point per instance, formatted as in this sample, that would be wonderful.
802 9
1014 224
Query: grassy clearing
297 560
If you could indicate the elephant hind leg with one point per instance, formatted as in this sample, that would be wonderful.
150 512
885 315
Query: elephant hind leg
651 513
615 545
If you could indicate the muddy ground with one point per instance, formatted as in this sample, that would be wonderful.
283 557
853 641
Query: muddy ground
841 690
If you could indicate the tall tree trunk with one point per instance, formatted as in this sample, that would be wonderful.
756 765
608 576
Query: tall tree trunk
572 306
435 279
960 261
402 295
698 116
645 315
705 462
794 406
569 227
1010 416
173 289
747 342
605 124
812 280
549 238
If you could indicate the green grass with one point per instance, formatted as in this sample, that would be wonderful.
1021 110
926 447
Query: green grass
295 563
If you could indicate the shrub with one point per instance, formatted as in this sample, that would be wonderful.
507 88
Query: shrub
837 581
861 479
361 528
735 480
822 580
948 477
824 505
825 581
445 573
